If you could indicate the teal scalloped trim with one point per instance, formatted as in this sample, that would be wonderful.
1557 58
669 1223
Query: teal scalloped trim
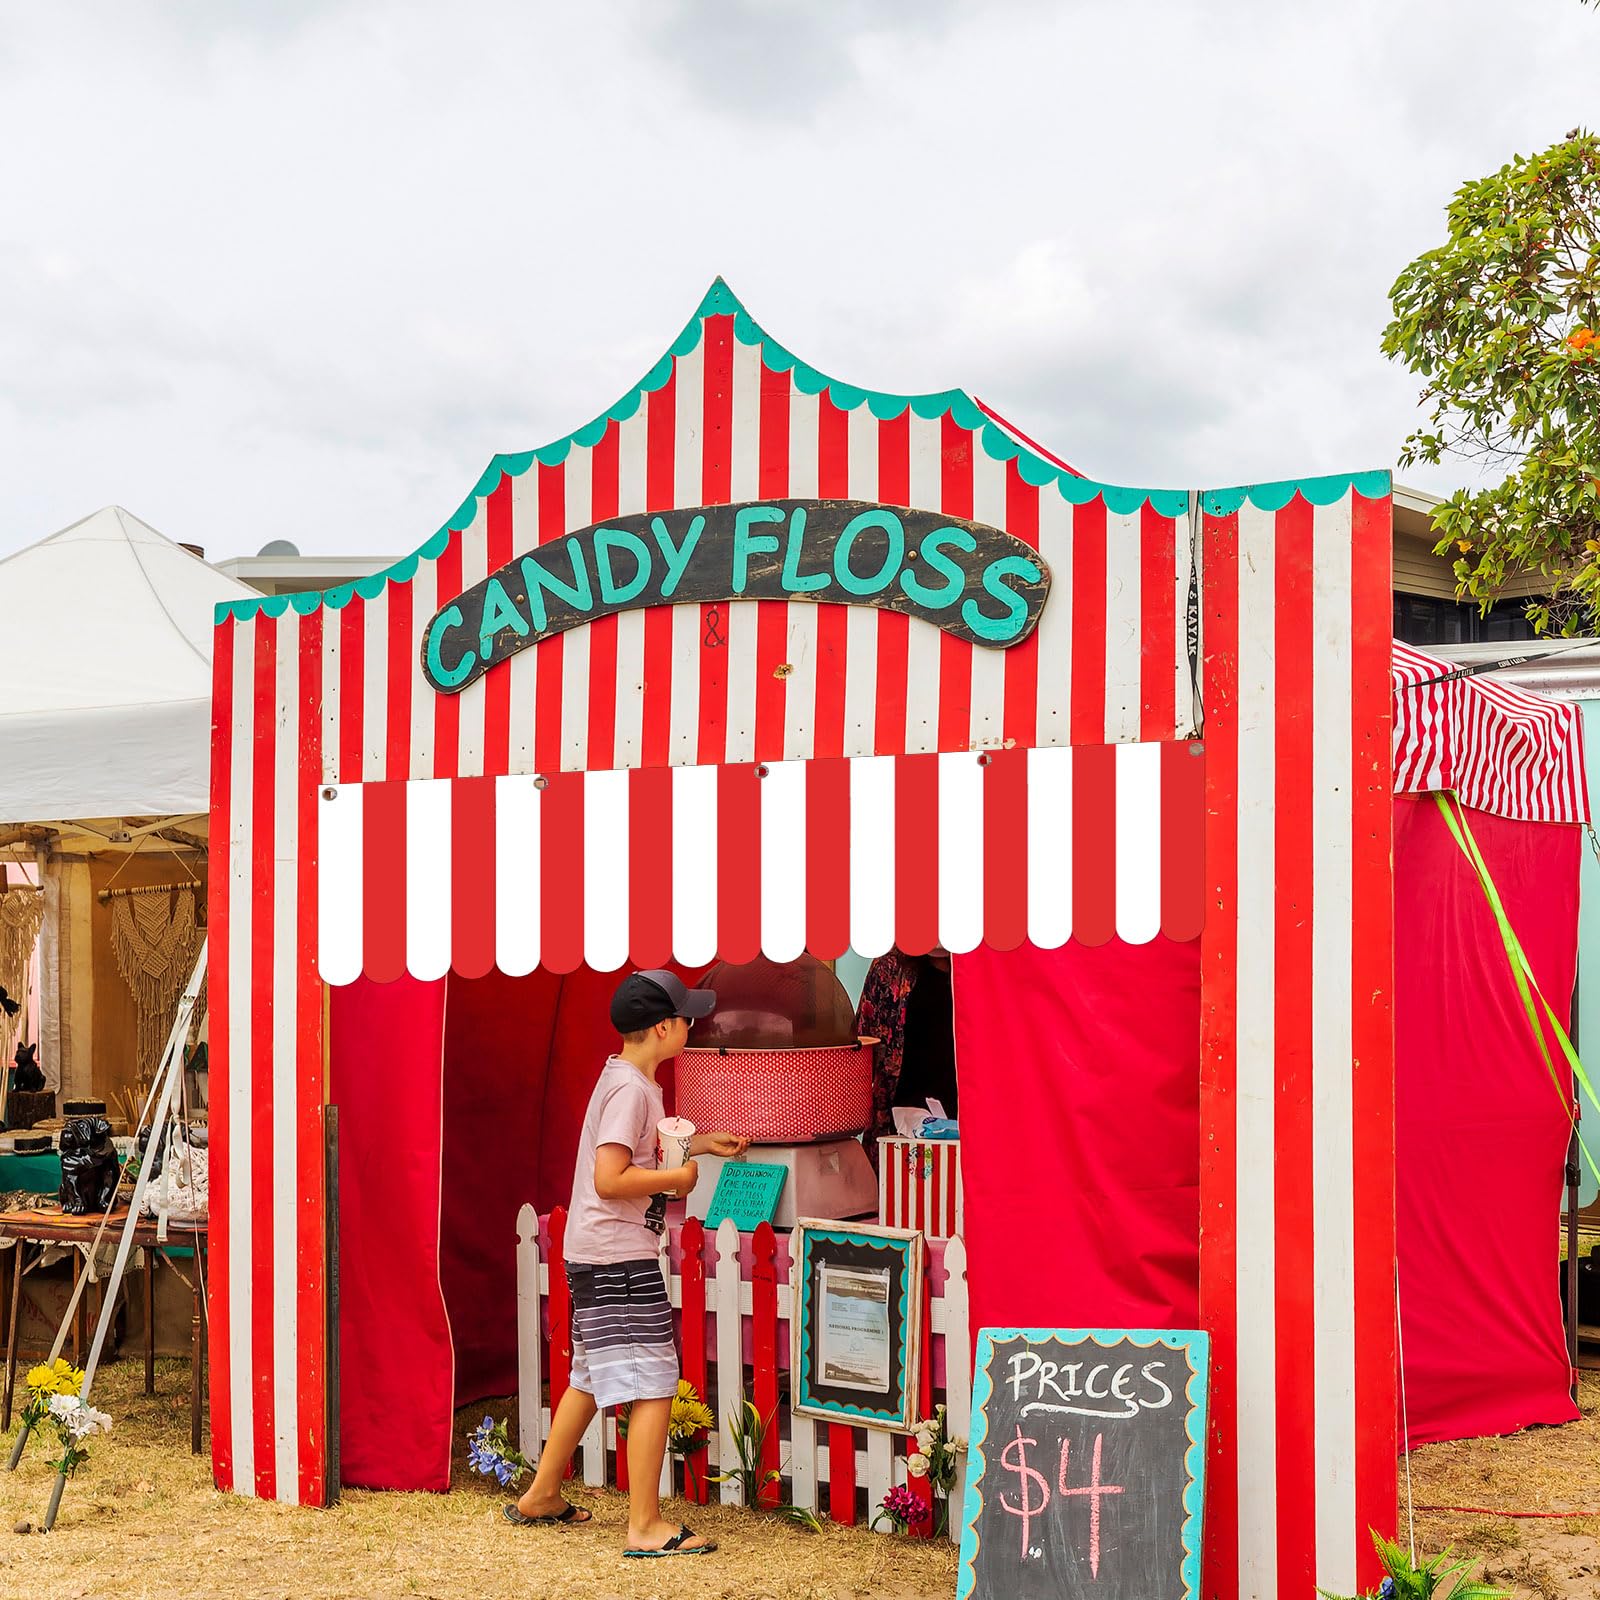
1317 491
1196 1347
720 300
903 1248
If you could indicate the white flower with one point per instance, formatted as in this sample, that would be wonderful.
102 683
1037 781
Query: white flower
925 1440
917 1465
78 1418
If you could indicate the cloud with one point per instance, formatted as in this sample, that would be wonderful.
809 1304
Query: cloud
302 270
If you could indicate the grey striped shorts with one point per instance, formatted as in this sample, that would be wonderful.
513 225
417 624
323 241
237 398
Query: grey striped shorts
622 1345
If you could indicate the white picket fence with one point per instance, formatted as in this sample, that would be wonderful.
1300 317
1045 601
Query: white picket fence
804 1442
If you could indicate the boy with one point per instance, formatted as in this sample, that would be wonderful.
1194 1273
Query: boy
622 1349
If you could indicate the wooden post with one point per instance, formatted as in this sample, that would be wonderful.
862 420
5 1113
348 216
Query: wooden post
803 1487
330 1156
150 1319
530 1379
764 1347
692 1323
730 1353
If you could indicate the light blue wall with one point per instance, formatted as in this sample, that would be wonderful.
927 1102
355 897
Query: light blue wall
851 971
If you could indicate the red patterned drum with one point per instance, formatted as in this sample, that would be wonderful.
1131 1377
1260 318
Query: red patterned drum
779 1096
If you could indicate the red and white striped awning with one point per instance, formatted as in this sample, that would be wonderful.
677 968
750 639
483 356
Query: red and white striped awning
727 862
1499 748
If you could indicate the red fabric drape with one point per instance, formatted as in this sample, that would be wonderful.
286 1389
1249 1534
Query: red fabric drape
1080 1108
1480 1129
396 1384
497 1039
485 1080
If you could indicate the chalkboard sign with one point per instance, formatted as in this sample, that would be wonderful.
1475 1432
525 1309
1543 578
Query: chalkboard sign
1085 1475
747 1192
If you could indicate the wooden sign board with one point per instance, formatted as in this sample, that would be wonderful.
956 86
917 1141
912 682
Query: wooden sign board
1085 1475
976 582
746 1194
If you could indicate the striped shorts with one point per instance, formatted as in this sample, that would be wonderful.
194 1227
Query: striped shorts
622 1345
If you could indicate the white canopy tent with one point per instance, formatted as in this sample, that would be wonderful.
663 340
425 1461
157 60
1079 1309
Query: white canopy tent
105 678
105 754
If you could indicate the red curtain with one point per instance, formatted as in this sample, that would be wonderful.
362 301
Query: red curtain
395 1367
1480 1128
1080 1108
460 1102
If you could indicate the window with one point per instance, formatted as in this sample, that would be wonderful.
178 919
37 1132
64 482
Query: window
1422 620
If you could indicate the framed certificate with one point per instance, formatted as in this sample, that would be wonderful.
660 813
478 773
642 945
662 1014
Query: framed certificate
858 1323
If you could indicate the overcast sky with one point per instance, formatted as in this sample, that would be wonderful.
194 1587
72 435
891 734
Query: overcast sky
298 269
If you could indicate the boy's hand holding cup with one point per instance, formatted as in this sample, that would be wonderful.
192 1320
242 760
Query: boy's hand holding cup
674 1136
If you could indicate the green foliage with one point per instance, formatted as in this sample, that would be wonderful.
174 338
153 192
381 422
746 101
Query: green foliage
1406 1581
1502 323
749 1430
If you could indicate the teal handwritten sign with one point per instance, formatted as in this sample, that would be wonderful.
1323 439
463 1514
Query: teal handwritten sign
974 581
746 1194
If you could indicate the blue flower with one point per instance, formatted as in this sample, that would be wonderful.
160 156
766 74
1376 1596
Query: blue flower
1386 1589
504 1471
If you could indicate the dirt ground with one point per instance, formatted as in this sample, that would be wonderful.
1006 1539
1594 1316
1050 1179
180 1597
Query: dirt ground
1541 1469
143 1522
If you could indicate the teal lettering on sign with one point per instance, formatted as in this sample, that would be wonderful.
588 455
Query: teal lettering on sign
975 582
746 1194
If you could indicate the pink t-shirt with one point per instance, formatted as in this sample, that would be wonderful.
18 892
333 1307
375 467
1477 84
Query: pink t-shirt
624 1109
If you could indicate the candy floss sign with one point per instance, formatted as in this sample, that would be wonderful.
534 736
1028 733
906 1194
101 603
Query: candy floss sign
973 581
1085 1475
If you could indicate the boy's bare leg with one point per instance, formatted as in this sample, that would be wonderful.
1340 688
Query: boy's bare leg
647 1444
574 1413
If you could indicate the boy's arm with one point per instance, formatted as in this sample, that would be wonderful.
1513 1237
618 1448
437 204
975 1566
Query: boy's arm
616 1177
728 1145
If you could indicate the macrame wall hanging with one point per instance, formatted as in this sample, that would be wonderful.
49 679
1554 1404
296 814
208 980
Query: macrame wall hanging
156 939
21 917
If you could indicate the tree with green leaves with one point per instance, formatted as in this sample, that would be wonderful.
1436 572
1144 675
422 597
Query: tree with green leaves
1502 324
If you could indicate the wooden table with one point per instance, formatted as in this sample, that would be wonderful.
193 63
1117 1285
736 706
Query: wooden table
55 1227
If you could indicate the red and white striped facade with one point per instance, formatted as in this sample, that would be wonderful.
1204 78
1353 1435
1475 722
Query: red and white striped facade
705 863
916 789
1498 747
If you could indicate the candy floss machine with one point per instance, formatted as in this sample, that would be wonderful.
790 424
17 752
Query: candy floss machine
779 1060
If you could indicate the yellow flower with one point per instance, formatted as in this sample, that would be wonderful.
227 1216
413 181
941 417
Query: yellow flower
57 1377
690 1414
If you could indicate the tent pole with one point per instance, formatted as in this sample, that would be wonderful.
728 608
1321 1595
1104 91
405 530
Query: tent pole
330 1124
1574 1176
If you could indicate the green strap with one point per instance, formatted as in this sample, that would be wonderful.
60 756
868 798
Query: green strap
1522 973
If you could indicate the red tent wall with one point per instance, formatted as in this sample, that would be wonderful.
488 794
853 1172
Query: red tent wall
1080 1128
395 1367
497 1040
1480 1129
1080 1116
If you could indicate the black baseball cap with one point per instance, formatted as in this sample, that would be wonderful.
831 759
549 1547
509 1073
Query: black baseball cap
645 998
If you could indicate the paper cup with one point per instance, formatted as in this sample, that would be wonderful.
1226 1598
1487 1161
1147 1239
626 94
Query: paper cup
673 1135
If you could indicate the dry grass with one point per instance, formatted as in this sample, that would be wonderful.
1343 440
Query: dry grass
1540 1469
143 1522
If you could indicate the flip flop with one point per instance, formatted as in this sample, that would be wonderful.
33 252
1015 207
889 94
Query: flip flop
674 1547
569 1516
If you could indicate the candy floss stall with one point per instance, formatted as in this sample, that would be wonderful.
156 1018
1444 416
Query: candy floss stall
762 664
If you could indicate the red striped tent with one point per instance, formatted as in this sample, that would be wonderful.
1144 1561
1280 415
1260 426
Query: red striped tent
821 775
